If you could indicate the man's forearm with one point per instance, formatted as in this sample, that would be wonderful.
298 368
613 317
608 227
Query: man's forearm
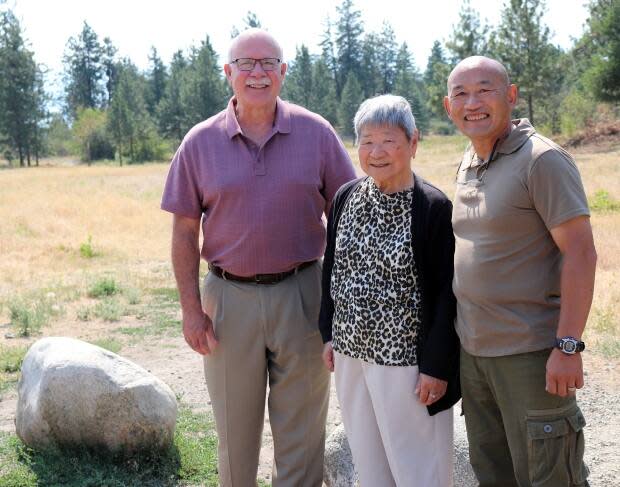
577 288
186 264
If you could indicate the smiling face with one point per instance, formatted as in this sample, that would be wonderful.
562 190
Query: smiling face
257 88
385 155
480 100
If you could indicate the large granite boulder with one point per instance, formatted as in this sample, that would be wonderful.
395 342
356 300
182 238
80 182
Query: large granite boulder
74 394
338 470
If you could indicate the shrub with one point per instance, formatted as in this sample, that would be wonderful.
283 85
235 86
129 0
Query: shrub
603 202
28 318
109 310
109 344
104 287
11 358
86 248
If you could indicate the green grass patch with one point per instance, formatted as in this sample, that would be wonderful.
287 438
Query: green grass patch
109 344
87 250
192 460
104 287
11 358
109 309
29 315
602 202
132 295
134 331
170 294
84 313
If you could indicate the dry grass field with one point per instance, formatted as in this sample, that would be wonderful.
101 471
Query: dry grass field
63 228
84 252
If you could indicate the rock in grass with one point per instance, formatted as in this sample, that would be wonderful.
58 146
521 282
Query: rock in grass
77 395
338 468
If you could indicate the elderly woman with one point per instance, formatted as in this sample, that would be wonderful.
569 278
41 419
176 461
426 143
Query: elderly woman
387 310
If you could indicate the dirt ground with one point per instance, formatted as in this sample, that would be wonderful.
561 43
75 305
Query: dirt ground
172 361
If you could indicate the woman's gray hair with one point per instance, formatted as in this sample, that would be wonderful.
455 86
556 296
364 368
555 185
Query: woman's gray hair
390 110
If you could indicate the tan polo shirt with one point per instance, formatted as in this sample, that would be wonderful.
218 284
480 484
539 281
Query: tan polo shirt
506 264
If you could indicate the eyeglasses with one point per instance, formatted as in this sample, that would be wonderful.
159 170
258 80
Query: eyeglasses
248 63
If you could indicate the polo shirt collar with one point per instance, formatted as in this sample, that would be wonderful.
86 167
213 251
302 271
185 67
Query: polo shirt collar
282 122
521 131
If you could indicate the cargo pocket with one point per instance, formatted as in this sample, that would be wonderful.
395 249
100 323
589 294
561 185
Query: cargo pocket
556 447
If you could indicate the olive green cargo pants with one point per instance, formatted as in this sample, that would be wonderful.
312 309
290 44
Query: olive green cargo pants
520 435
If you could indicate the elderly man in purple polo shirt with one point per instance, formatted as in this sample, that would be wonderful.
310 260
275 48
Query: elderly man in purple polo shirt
259 176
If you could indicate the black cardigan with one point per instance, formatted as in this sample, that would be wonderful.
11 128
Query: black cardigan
433 246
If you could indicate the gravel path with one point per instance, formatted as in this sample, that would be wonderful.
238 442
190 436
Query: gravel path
177 365
599 401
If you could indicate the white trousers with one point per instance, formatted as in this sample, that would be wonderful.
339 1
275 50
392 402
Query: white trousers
393 440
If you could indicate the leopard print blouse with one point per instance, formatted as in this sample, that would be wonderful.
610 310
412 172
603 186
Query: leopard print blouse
374 280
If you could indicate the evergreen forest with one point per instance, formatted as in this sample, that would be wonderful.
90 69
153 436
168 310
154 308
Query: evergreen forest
112 110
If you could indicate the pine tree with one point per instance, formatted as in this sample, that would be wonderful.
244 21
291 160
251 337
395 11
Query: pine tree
110 66
298 87
83 71
387 52
22 99
128 120
407 84
170 111
521 43
370 77
323 99
203 91
469 35
157 78
603 34
352 97
328 54
249 22
435 77
349 30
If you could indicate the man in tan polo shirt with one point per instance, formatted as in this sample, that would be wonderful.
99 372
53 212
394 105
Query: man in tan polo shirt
523 278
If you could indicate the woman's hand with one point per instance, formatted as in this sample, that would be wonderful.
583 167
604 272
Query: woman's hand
430 389
328 356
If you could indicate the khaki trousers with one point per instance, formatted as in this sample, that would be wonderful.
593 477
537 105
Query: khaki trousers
520 435
393 440
268 334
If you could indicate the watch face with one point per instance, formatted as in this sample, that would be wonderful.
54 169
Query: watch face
569 346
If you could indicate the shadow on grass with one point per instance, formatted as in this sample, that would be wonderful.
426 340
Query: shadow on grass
191 460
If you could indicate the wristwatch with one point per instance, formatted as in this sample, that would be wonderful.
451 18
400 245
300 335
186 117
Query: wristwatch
570 345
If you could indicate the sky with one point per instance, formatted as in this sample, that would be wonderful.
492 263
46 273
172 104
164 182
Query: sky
136 25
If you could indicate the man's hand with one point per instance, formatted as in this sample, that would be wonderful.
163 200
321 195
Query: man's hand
430 389
328 356
198 332
564 373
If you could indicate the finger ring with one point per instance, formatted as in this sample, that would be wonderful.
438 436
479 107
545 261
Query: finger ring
433 395
572 389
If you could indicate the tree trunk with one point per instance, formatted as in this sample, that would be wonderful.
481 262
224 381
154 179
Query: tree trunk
530 108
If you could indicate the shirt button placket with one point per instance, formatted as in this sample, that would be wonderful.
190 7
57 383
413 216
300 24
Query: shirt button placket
259 164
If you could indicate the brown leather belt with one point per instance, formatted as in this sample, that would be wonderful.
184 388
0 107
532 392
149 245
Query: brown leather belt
259 278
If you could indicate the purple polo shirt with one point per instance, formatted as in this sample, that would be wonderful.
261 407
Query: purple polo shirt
261 207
